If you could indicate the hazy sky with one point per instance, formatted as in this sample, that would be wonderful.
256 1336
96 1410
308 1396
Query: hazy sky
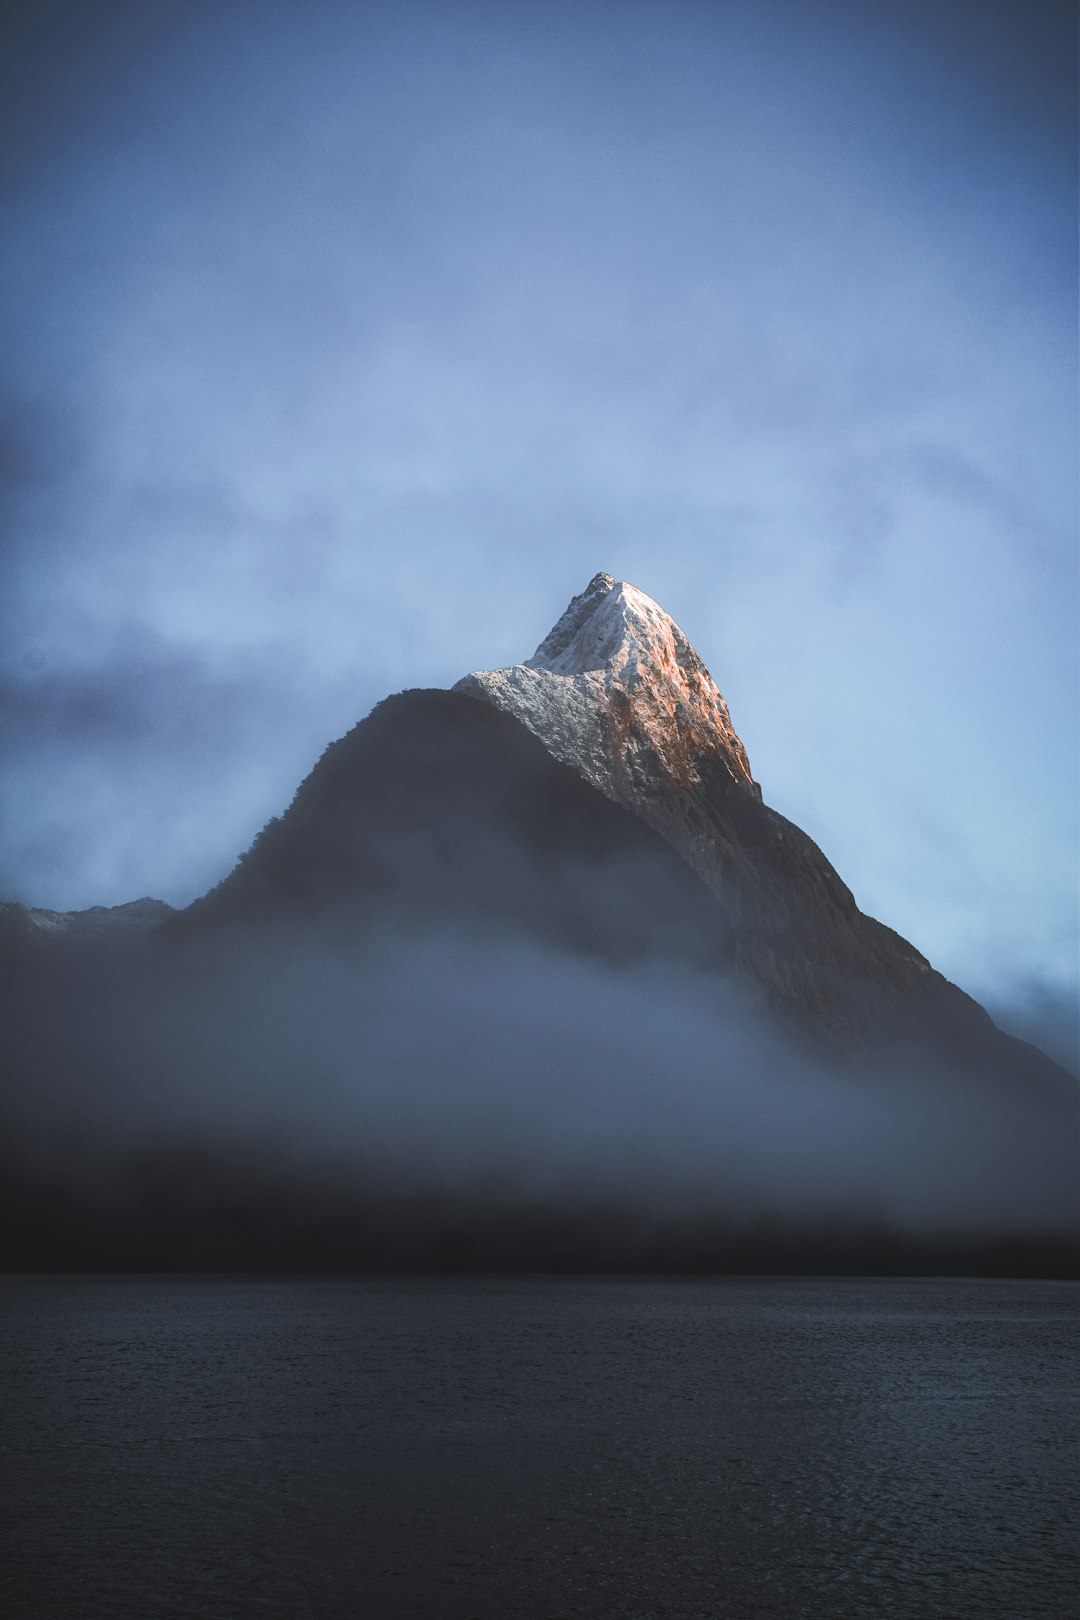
344 343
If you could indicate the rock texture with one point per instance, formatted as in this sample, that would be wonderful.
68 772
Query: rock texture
617 692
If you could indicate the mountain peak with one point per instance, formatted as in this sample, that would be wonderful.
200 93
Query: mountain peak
617 691
569 640
615 628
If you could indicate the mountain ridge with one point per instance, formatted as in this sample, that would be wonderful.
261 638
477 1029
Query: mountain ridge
617 691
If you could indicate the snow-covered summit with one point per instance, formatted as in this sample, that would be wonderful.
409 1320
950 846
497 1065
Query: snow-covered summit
616 690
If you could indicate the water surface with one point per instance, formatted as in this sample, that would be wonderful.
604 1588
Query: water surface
490 1448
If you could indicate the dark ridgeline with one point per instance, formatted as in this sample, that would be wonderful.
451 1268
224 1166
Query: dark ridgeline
596 807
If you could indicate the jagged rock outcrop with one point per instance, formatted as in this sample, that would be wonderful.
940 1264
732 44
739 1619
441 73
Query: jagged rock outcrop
617 692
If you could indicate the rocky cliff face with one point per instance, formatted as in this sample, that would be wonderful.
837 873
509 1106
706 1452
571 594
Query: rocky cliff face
617 692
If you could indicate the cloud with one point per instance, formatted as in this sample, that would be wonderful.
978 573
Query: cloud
124 742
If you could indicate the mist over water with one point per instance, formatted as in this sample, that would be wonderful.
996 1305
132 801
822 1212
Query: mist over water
314 1084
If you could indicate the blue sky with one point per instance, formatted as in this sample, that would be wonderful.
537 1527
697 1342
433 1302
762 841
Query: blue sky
345 343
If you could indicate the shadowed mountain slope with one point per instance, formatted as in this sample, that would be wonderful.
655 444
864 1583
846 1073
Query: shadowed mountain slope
437 808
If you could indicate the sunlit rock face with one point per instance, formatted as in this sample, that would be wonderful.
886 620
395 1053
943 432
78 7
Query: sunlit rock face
617 691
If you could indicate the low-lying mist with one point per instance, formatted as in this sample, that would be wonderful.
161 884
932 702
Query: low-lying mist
477 1097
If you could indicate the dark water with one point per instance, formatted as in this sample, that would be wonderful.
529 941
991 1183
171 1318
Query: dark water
500 1448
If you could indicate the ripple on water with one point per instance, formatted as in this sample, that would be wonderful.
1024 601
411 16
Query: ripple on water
539 1448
